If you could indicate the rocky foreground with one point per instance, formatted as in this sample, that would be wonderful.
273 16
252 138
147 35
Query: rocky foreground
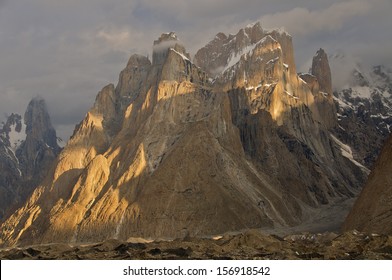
249 245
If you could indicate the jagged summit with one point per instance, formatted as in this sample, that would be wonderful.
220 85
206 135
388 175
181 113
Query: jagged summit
220 53
162 46
215 56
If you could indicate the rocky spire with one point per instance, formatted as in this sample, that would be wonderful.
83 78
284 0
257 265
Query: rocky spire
40 146
320 69
38 124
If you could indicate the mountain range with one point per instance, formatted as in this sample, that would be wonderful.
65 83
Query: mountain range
229 140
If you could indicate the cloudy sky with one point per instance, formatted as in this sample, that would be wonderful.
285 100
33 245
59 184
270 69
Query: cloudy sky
66 51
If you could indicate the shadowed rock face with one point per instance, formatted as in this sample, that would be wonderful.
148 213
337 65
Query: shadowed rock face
185 155
28 147
372 212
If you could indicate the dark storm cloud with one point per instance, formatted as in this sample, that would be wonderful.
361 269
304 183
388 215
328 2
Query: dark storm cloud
66 51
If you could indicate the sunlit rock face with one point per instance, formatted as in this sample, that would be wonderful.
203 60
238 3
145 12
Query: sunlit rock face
179 149
372 212
28 147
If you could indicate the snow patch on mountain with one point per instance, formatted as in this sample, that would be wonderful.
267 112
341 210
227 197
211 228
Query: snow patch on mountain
180 54
17 136
235 57
348 153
